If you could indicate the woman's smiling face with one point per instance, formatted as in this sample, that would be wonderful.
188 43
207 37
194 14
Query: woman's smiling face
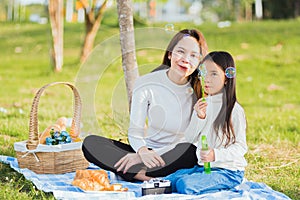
185 56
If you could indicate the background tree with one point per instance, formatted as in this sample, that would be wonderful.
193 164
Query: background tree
129 64
93 17
248 9
278 9
55 8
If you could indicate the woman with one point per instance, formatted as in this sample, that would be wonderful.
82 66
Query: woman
164 99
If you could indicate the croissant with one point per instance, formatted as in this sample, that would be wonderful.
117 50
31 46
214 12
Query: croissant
83 174
85 184
98 176
95 180
101 178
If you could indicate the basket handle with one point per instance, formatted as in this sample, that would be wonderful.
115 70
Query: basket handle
33 139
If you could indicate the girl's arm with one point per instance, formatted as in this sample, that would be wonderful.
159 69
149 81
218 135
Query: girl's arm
239 148
197 123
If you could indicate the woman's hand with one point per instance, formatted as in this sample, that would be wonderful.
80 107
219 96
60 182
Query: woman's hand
128 161
150 158
207 155
200 107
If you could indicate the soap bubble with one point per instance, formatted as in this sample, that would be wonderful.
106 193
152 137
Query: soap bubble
230 72
91 79
169 28
189 90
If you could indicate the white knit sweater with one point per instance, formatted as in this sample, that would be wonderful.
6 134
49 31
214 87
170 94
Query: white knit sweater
165 106
231 157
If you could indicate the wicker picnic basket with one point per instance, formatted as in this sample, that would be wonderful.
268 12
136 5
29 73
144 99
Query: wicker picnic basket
51 159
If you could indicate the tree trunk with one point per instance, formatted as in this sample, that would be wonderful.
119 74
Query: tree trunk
127 41
92 26
248 11
297 9
57 26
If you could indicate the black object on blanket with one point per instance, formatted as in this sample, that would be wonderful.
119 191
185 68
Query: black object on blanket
156 186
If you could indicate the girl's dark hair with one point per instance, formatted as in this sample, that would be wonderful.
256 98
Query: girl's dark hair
223 121
166 63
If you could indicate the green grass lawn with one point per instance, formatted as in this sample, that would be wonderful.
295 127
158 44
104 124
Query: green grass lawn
267 59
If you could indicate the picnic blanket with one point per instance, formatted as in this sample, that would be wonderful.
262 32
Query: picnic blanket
61 187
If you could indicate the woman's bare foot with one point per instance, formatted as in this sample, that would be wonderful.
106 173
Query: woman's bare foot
141 175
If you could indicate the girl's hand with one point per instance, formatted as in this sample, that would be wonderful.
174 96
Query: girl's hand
207 155
128 161
150 158
200 107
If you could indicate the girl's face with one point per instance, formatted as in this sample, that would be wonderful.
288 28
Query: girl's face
215 78
185 56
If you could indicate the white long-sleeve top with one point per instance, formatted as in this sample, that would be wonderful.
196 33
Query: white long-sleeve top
165 106
230 157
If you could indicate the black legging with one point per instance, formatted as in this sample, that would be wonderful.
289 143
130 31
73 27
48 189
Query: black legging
105 152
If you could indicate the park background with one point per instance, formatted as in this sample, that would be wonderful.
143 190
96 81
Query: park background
266 51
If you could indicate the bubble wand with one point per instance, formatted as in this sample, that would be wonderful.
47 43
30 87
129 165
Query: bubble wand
202 89
201 76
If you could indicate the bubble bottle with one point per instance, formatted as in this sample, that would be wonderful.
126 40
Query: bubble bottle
205 148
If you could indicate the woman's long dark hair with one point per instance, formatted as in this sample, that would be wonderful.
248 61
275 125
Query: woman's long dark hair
166 63
223 121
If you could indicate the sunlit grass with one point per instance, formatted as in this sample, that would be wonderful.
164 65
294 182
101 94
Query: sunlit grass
267 60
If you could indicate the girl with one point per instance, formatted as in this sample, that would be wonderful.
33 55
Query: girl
221 118
163 100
